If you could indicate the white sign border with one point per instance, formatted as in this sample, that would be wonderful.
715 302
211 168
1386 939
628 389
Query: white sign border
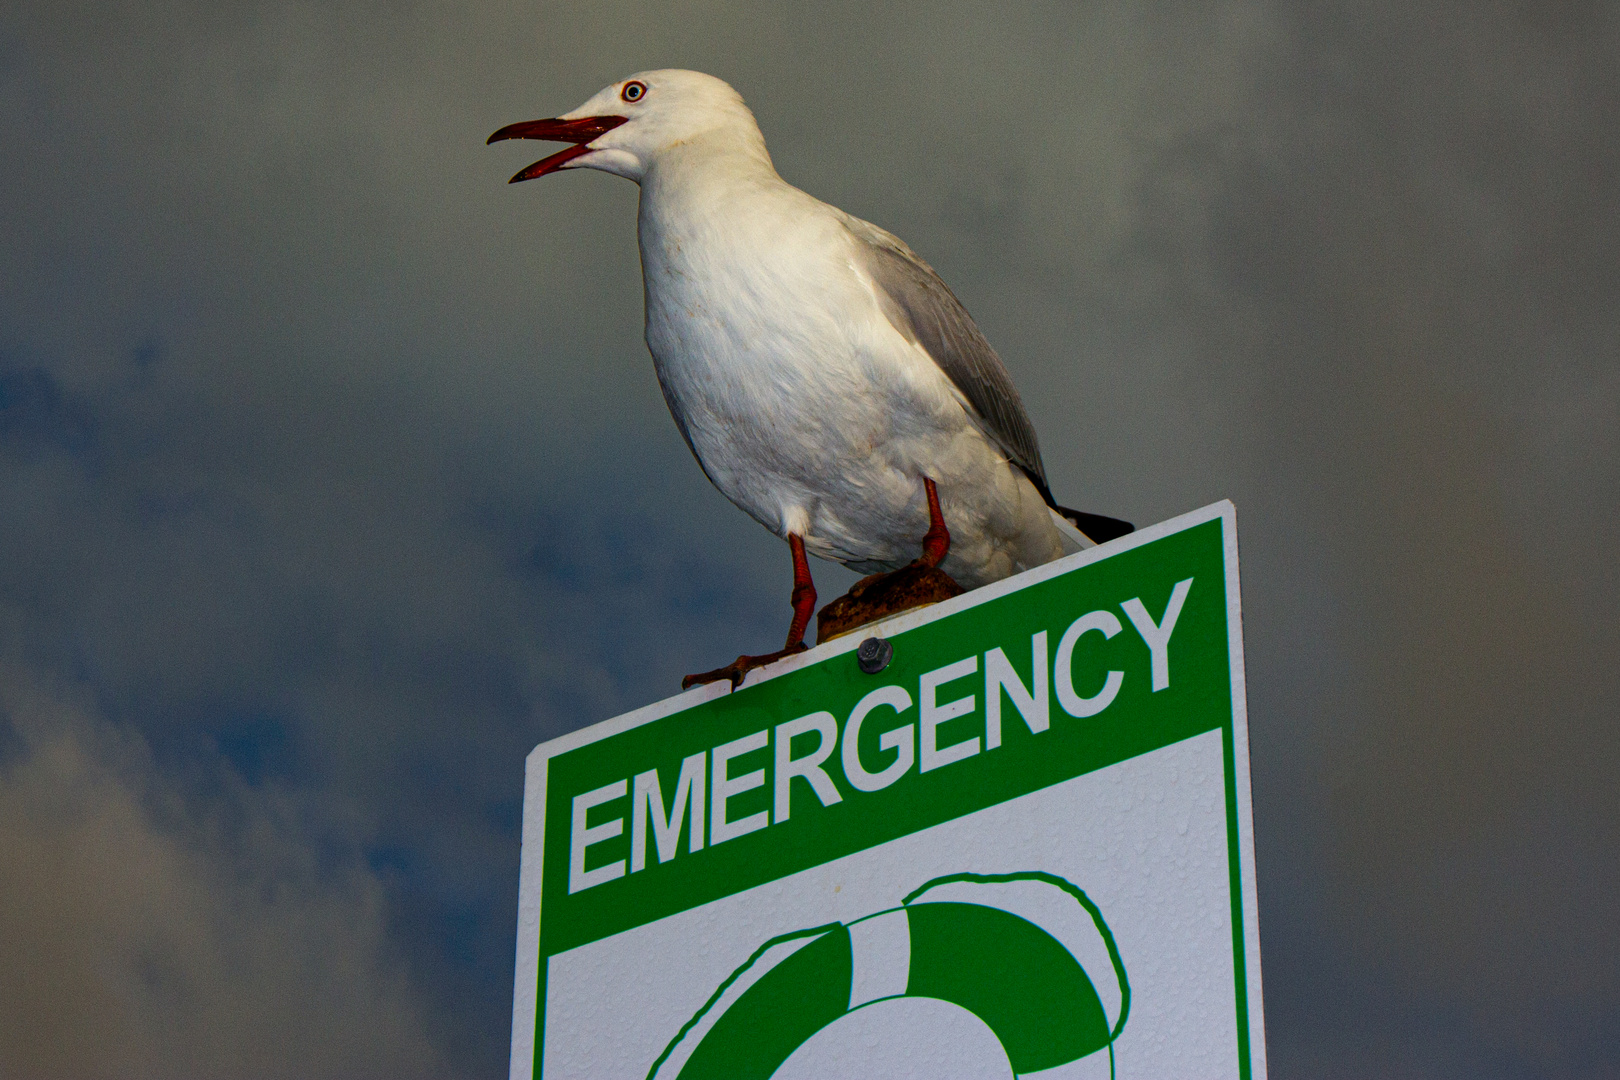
526 977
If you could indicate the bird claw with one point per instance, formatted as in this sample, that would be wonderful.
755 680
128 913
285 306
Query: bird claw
738 669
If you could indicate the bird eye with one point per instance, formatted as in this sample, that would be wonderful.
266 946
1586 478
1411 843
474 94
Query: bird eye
633 91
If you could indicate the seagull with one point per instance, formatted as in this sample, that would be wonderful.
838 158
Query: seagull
827 380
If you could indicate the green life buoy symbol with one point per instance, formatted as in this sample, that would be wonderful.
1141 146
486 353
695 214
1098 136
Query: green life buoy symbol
1023 963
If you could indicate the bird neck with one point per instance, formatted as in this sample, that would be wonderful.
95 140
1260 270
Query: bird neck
708 171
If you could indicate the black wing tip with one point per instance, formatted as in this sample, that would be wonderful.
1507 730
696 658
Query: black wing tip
1098 528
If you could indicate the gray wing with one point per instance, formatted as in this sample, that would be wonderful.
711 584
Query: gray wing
924 310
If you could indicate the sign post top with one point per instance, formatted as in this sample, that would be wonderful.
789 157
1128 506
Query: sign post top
994 703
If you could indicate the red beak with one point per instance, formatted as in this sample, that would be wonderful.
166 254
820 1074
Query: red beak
579 132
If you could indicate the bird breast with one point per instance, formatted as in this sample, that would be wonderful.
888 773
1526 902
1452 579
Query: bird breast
770 346
803 403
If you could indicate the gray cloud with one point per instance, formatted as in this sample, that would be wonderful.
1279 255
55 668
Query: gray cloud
335 475
139 938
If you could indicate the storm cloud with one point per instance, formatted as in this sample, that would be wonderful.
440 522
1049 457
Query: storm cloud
334 476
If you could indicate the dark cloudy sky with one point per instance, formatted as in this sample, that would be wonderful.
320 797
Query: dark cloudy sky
334 476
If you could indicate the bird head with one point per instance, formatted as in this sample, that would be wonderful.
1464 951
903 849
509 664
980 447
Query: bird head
626 126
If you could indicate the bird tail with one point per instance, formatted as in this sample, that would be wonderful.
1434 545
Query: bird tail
1081 530
1073 539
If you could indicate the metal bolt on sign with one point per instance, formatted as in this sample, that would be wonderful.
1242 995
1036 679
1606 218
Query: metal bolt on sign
874 655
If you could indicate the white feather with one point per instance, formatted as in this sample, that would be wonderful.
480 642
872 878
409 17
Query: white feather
802 401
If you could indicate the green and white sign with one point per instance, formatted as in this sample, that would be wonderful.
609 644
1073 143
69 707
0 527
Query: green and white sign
1023 848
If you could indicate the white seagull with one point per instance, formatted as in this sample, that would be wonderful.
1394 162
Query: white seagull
827 381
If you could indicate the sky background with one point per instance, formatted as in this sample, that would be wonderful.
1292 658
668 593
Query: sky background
334 477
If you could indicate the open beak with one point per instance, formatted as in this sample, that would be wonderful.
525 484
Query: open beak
580 132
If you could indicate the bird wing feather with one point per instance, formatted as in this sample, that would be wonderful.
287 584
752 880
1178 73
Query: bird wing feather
924 310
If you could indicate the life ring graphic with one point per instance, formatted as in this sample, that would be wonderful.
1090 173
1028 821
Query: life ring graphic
1028 954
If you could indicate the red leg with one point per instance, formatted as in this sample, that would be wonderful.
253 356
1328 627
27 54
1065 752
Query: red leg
804 593
937 541
804 605
913 585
